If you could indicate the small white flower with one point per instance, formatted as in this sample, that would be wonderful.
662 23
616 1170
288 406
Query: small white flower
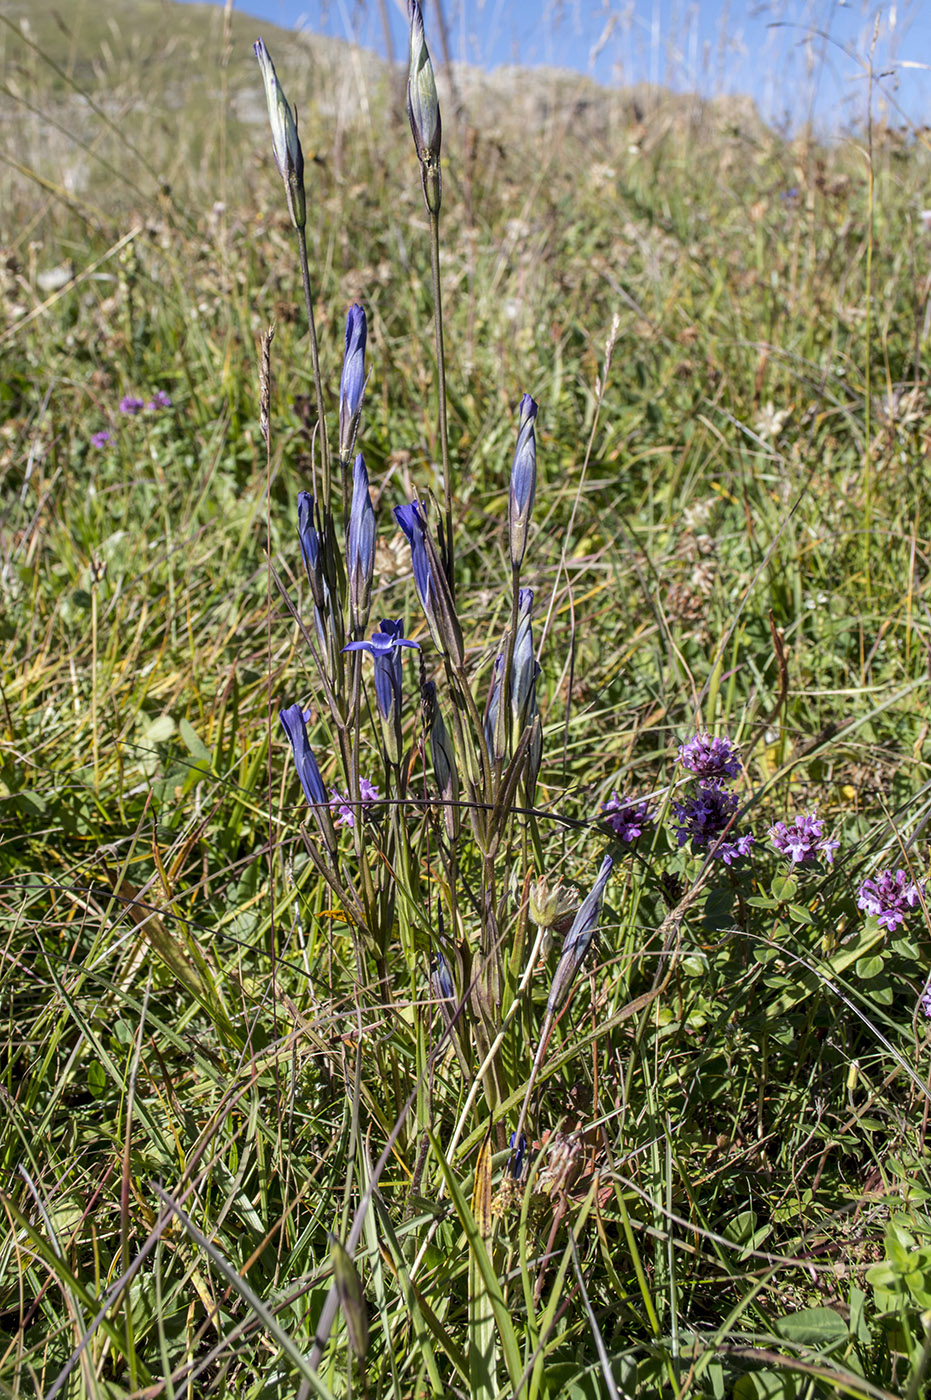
771 421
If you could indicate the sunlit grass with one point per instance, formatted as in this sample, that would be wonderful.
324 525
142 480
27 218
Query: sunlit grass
199 1076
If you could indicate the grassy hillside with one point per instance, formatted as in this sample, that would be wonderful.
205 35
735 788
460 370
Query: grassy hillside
229 1058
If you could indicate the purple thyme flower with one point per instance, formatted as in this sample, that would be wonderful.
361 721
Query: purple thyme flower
159 400
888 895
924 1001
802 842
709 757
703 816
100 439
340 803
626 817
131 405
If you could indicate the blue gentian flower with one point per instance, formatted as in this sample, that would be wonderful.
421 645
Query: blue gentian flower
412 522
442 979
523 481
494 706
384 649
295 727
518 1153
352 382
443 988
360 545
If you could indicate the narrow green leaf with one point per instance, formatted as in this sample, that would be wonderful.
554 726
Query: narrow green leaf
506 1333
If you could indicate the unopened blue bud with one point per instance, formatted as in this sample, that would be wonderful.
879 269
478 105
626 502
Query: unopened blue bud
518 1152
295 727
352 382
311 546
578 940
411 520
492 712
523 481
360 546
524 667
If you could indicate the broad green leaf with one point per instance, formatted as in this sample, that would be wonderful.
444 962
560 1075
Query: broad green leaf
812 1327
193 742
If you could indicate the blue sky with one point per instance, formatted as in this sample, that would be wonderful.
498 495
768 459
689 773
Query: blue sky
797 58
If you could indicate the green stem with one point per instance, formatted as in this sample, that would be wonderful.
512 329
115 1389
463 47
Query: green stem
448 556
315 360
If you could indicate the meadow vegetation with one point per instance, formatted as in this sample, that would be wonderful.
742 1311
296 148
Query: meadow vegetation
235 1083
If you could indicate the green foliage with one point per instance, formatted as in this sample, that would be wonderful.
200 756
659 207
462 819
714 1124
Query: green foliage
205 1071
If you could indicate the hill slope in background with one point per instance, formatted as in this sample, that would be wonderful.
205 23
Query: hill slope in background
180 84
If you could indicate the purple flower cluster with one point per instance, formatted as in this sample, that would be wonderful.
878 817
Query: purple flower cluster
709 806
889 895
130 405
704 815
340 803
626 817
710 758
803 842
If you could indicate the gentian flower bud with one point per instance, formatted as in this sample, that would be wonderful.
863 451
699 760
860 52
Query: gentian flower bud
352 382
578 940
411 520
534 755
360 546
295 727
432 587
444 988
523 481
423 109
311 546
444 757
287 147
524 668
493 711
